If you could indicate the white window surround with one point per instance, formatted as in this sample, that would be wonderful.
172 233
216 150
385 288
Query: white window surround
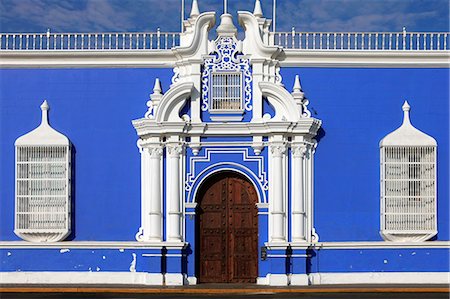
42 201
408 184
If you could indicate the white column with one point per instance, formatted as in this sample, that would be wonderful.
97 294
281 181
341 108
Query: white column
143 235
173 195
297 193
154 193
277 195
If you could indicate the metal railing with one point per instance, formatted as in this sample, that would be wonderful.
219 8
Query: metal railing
363 41
89 41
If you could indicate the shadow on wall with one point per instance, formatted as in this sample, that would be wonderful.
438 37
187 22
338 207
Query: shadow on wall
320 134
73 201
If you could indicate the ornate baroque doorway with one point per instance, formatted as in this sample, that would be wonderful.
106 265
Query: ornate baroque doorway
227 230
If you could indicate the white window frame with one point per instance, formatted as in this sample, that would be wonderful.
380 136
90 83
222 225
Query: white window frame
43 184
408 184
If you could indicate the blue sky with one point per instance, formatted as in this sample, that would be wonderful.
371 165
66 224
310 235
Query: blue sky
147 15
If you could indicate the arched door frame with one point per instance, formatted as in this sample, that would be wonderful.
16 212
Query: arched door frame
220 167
206 179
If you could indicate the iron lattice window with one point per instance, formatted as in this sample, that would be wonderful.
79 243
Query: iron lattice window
43 190
408 189
226 91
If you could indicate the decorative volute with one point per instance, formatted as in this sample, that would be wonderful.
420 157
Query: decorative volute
407 134
44 134
257 12
226 27
195 12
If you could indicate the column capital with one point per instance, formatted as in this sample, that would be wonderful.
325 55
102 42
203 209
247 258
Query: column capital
299 149
155 150
174 149
277 149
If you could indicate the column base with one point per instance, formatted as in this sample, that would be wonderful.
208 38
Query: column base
174 279
299 280
277 279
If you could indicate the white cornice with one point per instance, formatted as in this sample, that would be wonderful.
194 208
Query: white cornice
379 244
92 244
87 59
308 126
359 245
158 245
167 59
366 59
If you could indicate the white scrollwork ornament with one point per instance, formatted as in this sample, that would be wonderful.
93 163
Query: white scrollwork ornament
226 58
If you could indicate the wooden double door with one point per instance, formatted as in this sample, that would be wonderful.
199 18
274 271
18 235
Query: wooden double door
227 230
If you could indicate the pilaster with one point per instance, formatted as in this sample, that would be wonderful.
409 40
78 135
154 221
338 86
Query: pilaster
151 197
298 152
276 191
173 191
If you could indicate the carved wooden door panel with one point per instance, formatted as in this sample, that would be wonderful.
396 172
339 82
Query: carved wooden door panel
227 230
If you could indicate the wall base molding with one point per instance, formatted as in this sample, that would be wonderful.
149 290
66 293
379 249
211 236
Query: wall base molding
419 278
78 278
174 279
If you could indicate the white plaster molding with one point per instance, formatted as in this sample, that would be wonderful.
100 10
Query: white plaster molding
260 177
172 102
385 278
366 59
167 59
78 278
277 190
282 101
299 279
253 43
379 245
175 245
174 190
191 280
199 44
277 279
305 126
174 279
87 59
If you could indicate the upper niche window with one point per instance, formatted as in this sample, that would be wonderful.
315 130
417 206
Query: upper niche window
408 184
226 82
226 91
42 205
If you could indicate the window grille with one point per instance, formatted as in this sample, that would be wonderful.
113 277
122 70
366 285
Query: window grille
43 184
226 91
408 184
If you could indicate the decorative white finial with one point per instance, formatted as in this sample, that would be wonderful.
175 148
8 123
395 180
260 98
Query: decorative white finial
297 87
195 12
157 88
406 108
257 12
226 27
44 107
225 6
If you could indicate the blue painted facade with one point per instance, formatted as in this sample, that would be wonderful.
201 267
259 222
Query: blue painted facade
94 108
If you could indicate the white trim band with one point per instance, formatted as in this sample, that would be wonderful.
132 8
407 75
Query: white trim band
419 278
